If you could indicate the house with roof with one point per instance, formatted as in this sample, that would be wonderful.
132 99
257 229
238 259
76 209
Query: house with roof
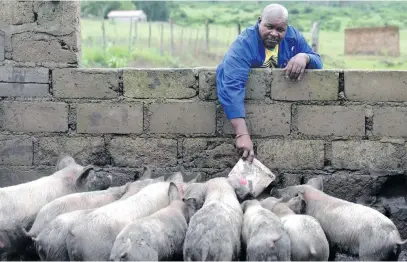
127 16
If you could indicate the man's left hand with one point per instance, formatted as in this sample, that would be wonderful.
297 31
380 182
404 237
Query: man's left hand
296 66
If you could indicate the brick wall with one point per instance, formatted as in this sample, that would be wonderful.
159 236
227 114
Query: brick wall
347 126
372 41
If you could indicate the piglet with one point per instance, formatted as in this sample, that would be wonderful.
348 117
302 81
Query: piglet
215 221
93 236
308 240
50 242
359 229
263 235
157 237
21 203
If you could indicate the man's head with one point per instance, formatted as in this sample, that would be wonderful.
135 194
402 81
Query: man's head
273 24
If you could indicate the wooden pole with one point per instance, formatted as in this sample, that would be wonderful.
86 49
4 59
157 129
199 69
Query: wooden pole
149 34
162 39
315 36
207 35
130 33
172 37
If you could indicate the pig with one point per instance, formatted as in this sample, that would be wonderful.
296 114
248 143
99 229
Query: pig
92 237
263 235
215 221
74 202
21 203
50 243
308 240
158 237
352 227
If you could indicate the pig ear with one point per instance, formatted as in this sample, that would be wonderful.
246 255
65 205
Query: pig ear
301 195
64 161
316 182
82 177
197 179
146 173
173 192
176 177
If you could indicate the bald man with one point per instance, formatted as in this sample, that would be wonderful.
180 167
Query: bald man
271 43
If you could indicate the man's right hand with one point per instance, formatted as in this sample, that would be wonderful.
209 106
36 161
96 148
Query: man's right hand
245 146
243 142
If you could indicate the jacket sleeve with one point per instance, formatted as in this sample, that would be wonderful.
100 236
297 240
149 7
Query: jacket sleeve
231 82
315 61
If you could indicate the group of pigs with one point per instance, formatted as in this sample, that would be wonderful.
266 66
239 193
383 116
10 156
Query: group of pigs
69 216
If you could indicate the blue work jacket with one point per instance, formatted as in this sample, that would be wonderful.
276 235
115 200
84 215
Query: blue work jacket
247 52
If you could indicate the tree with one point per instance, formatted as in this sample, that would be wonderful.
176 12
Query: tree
155 10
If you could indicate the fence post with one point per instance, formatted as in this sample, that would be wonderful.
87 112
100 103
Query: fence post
172 37
130 32
149 34
315 36
207 35
162 39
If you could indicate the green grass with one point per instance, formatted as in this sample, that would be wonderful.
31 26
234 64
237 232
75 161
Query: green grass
190 47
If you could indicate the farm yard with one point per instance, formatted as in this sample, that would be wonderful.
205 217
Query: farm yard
149 44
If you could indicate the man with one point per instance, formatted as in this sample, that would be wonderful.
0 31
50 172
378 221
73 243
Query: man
270 43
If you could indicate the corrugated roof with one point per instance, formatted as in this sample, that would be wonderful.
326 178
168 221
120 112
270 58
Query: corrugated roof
123 13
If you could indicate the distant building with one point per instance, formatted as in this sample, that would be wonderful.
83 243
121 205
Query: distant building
127 16
372 41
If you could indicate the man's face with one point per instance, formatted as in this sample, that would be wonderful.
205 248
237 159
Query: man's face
272 30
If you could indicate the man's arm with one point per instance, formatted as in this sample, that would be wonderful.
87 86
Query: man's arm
231 94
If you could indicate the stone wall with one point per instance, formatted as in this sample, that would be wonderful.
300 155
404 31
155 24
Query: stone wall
372 41
344 125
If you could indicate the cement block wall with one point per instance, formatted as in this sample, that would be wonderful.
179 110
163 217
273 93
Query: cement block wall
347 126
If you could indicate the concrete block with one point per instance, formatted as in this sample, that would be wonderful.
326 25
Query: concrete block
143 151
331 120
369 155
390 121
85 150
257 85
11 175
24 90
60 15
182 117
44 48
37 75
35 116
291 154
16 150
376 85
86 83
399 217
160 83
264 119
315 85
110 118
209 153
16 12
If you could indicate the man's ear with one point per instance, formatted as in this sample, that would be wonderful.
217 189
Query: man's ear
259 19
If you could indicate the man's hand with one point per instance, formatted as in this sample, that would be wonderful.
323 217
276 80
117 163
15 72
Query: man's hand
245 146
296 66
243 142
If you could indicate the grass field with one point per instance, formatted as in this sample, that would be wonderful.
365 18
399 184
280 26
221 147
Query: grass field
190 47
